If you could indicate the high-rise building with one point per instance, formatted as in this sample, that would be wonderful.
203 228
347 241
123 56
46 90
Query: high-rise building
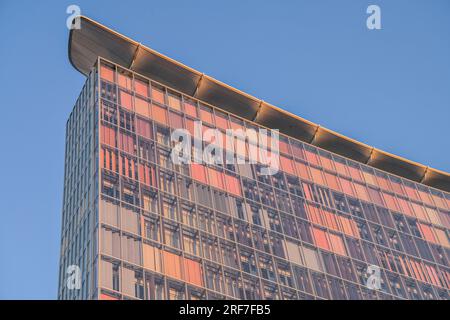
339 220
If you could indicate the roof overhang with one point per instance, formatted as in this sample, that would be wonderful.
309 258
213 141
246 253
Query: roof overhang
94 40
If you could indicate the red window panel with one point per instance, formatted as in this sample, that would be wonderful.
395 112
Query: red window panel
287 165
307 190
355 173
159 114
190 108
297 150
174 102
342 169
144 128
347 187
412 193
107 73
124 81
141 88
427 232
108 135
108 159
190 126
332 181
127 167
127 143
198 172
440 202
331 220
384 183
426 198
222 121
126 100
104 296
157 95
337 244
142 107
216 179
391 201
398 188
441 237
147 175
193 272
314 215
233 185
311 157
419 211
172 265
348 227
320 239
283 146
362 192
405 207
206 115
302 170
327 163
370 178
176 121
317 176
375 196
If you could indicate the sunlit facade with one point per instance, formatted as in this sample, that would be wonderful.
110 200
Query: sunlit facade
141 227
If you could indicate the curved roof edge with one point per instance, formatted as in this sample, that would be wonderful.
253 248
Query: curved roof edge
94 39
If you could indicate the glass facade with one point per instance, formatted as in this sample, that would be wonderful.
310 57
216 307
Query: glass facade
141 227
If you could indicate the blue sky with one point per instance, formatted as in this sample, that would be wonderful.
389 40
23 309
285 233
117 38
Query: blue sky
388 88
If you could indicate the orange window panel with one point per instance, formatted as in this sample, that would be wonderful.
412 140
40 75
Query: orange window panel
147 175
126 100
158 95
107 73
330 219
433 216
361 192
440 202
442 237
425 197
370 178
341 169
190 108
347 187
159 114
312 157
124 81
287 165
221 122
348 227
390 201
193 272
314 214
190 126
215 178
107 297
141 88
419 211
317 176
412 193
355 173
233 185
152 257
427 232
327 163
375 196
206 115
283 147
297 150
172 265
176 121
198 172
144 128
126 142
142 107
398 188
337 244
174 102
307 190
320 238
405 207
332 181
384 184
302 170
108 135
